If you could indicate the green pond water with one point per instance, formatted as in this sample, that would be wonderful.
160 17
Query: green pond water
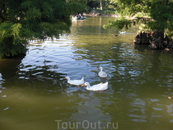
140 82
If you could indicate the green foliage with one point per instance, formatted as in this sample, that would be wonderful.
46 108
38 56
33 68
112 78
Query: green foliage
159 14
119 23
109 12
9 30
22 20
93 4
76 7
10 41
8 49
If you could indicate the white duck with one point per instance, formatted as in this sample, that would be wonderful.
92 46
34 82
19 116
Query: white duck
122 32
97 87
75 82
102 74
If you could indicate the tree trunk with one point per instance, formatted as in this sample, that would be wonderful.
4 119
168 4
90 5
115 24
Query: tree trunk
166 2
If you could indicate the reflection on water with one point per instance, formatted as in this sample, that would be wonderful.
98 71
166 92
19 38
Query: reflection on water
140 80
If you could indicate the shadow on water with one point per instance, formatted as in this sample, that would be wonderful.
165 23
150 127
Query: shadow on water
9 66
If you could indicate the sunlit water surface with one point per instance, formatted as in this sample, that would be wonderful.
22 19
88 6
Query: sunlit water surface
140 82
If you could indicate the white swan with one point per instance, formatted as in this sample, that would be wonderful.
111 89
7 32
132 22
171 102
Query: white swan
97 87
122 32
102 74
75 82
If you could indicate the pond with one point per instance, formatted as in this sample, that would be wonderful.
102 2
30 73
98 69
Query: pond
139 94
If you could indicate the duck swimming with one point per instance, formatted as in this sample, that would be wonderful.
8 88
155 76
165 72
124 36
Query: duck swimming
122 32
102 74
75 82
97 87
